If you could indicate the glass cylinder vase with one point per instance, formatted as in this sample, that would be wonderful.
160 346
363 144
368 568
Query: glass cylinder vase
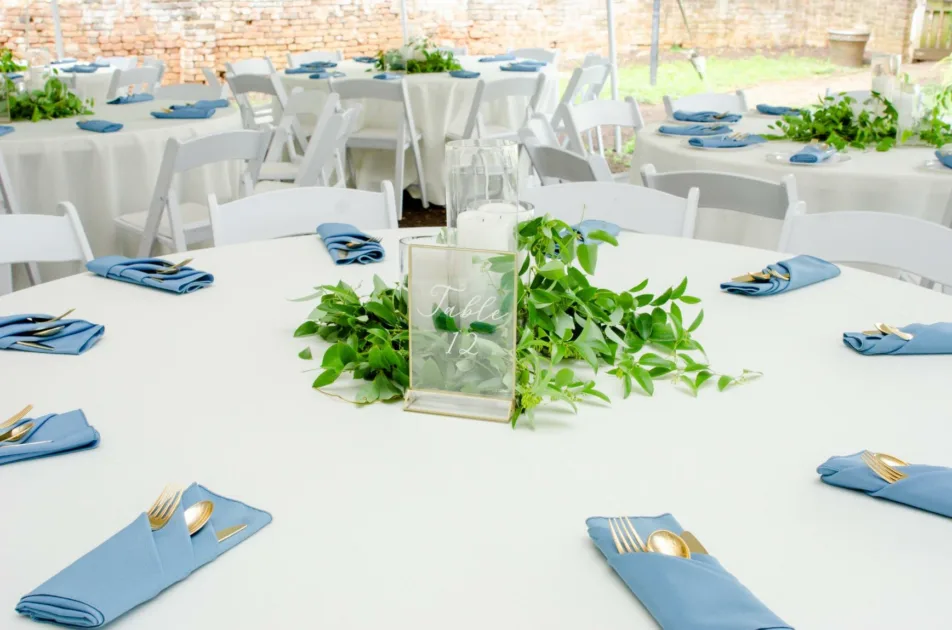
478 172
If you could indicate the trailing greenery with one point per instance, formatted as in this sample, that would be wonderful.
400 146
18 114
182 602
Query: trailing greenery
423 60
7 63
53 101
640 336
933 129
835 122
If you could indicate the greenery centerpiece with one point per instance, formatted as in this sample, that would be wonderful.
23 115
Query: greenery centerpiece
417 58
640 337
55 100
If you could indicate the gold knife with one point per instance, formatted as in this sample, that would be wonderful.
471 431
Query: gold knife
228 532
694 545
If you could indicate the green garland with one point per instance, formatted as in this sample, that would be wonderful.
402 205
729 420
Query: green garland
433 60
53 101
641 337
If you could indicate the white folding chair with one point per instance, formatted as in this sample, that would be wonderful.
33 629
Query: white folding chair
878 238
632 208
296 60
177 225
134 81
554 165
734 103
405 136
592 115
252 117
120 63
9 204
188 92
33 238
585 84
537 54
517 87
458 51
260 66
294 211
284 154
539 129
212 78
155 62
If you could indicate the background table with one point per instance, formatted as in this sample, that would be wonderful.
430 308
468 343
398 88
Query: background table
108 174
895 181
91 85
440 104
386 519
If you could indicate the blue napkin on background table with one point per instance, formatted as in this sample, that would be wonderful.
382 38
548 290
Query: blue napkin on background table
319 74
61 432
706 117
319 64
186 112
13 76
813 154
337 235
300 70
726 142
82 69
499 57
136 564
590 225
778 110
99 126
64 60
76 337
683 594
694 130
803 271
928 488
365 59
944 157
464 74
203 104
387 76
131 98
520 67
142 271
5 129
926 339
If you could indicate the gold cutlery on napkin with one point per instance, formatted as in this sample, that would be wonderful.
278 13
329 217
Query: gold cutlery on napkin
694 545
625 535
662 541
17 433
164 507
668 543
760 276
372 239
32 344
886 329
20 415
878 465
173 268
228 532
50 321
5 445
197 515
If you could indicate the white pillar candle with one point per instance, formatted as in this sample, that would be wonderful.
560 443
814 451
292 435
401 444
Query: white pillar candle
491 226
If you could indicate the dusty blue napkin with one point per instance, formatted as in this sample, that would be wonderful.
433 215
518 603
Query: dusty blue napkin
336 236
928 488
694 130
706 117
300 70
387 76
590 225
926 339
82 69
520 67
99 126
777 110
365 59
803 271
76 337
5 129
203 104
813 154
944 157
186 112
464 74
319 64
59 432
131 98
13 76
136 564
320 74
683 594
64 60
499 57
142 271
727 142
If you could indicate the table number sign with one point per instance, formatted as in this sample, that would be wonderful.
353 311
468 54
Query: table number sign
462 317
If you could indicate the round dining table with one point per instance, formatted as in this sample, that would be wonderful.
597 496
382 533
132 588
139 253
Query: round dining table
905 180
108 174
389 519
441 104
89 85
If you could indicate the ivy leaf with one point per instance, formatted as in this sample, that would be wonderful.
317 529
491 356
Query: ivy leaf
553 270
381 311
326 378
601 235
639 287
653 360
483 328
643 378
661 299
723 382
305 353
442 321
564 377
702 378
679 290
588 257
305 329
697 321
689 299
690 383
564 325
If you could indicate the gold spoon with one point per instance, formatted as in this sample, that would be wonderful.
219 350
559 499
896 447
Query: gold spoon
174 268
17 433
197 515
668 543
694 545
886 329
889 460
16 418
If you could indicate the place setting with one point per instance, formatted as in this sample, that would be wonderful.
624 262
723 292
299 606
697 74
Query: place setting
813 154
48 334
23 437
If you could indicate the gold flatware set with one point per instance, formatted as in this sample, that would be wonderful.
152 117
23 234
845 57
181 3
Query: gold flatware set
761 276
20 415
196 515
371 239
170 270
662 541
884 466
10 437
44 332
886 329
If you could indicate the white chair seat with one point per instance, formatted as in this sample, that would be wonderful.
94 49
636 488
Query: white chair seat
378 138
280 171
490 132
194 218
268 186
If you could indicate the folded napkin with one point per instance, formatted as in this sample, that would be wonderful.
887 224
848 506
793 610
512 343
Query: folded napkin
778 110
97 64
590 225
136 564
803 271
727 142
142 271
131 98
336 236
813 154
13 76
464 74
82 69
5 129
319 64
203 104
683 594
66 60
186 112
944 157
59 432
533 62
301 70
387 76
499 57
520 67
926 339
694 130
99 126
320 74
337 74
925 487
76 337
365 59
706 117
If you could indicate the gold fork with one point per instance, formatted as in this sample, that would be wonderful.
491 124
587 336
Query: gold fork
882 469
372 239
17 417
625 535
164 507
174 268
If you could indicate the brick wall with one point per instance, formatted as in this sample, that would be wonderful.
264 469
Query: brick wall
191 34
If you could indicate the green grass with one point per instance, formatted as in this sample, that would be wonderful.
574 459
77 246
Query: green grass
678 78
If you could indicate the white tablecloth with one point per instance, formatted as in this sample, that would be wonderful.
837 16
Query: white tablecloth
386 519
440 103
895 181
108 174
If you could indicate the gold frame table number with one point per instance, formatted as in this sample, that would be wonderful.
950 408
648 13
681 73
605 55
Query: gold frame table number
462 321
